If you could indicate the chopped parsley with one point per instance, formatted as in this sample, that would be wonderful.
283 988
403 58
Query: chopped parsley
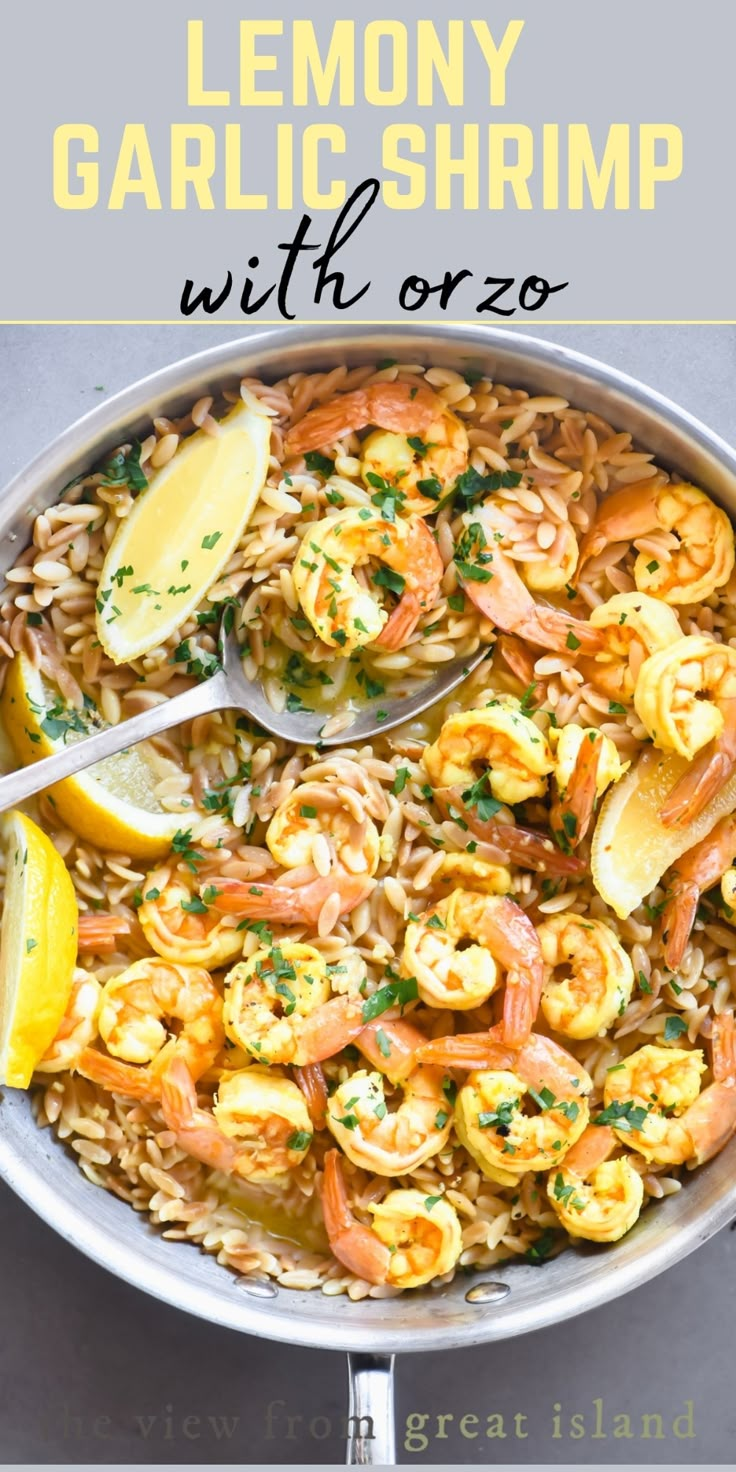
300 1140
623 1116
479 797
124 469
319 464
394 993
541 1249
181 844
385 577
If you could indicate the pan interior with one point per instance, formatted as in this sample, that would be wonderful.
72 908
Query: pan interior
46 1176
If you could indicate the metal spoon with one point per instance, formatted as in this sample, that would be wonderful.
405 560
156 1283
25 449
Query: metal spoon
229 689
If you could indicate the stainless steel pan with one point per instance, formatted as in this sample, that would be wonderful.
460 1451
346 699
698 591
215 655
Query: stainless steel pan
518 1298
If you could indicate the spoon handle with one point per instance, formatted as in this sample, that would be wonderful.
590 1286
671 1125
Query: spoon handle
211 695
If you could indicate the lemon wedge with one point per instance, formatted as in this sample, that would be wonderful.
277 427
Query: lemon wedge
631 847
180 533
113 804
38 947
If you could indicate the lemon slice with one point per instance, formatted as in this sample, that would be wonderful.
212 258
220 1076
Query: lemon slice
113 804
631 847
180 533
38 947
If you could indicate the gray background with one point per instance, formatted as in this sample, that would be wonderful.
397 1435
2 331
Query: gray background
78 1345
665 61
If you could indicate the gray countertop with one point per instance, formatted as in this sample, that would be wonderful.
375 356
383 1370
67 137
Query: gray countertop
93 1371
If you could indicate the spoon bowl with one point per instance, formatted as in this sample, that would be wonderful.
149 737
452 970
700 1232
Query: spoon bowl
230 689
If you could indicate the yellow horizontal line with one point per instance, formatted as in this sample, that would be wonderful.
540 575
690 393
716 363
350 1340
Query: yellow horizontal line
364 322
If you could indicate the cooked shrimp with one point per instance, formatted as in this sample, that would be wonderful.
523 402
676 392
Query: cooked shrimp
278 1007
134 1008
390 1142
99 933
285 904
492 581
540 1062
586 763
403 408
314 809
514 844
589 977
340 608
653 1102
693 874
412 1238
704 558
466 871
460 979
634 626
728 891
184 928
499 743
506 1142
259 1127
78 1027
686 694
421 469
686 698
594 1197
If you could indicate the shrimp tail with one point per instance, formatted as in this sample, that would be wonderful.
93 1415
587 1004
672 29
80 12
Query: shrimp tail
706 776
354 1245
573 809
119 1078
329 1029
403 408
628 513
401 622
522 846
593 1147
287 906
678 919
99 933
723 1047
472 1050
391 1046
520 1006
313 1084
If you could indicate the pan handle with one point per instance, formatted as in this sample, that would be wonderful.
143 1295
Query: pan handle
371 1435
